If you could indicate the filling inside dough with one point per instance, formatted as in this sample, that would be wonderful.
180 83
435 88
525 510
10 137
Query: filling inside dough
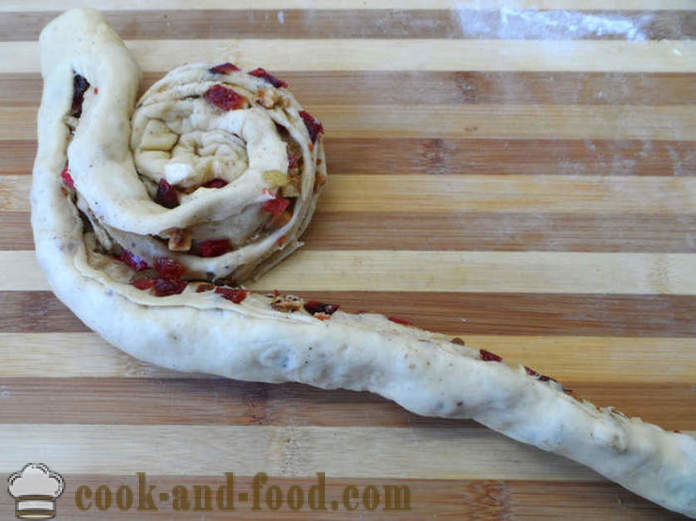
231 167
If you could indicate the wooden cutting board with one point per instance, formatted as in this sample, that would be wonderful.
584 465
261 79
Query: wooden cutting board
521 178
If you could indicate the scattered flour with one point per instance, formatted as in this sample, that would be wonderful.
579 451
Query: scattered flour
515 23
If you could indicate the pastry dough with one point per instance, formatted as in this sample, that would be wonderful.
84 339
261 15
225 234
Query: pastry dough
226 331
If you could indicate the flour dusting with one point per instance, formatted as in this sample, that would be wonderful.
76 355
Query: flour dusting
512 22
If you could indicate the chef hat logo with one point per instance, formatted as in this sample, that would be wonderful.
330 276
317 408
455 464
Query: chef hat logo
35 489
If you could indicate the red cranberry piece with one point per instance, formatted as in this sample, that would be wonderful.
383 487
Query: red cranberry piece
215 183
401 321
167 195
224 98
544 378
314 126
313 306
224 68
235 295
292 161
276 206
487 356
530 371
169 268
80 85
165 286
263 73
67 178
214 247
132 260
143 283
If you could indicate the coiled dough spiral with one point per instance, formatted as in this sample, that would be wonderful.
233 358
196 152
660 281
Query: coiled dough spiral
112 234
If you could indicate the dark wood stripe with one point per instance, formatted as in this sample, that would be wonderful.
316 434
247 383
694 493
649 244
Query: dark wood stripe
500 232
38 311
428 87
464 232
17 157
15 231
503 156
369 23
470 156
466 313
185 401
444 500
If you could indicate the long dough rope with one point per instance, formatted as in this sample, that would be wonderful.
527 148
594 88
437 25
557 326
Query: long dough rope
145 254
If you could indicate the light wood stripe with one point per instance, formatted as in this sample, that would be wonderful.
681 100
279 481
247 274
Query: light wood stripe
467 313
443 88
510 121
436 194
396 54
490 272
461 231
54 355
671 122
42 5
547 194
524 272
430 453
190 24
594 360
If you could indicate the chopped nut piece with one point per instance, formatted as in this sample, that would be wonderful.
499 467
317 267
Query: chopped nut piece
266 98
179 240
286 303
319 181
294 184
289 191
458 341
275 177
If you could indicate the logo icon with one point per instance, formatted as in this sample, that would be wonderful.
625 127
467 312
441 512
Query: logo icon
35 489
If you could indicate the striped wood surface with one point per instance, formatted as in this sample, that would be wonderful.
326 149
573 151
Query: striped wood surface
522 175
